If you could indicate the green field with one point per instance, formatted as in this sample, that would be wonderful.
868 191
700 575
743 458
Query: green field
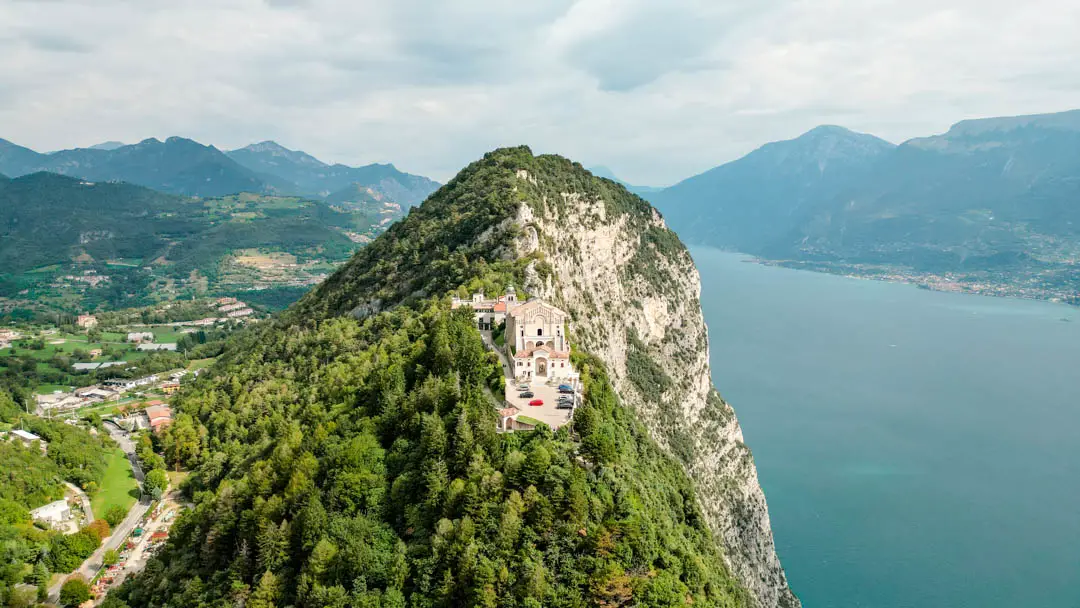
118 486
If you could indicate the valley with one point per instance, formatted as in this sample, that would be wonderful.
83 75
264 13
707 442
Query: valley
73 245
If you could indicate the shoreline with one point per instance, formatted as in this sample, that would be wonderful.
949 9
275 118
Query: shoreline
945 283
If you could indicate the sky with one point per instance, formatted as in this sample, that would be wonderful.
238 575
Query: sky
656 90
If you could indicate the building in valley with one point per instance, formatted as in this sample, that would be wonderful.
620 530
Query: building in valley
86 321
52 514
537 331
159 415
139 337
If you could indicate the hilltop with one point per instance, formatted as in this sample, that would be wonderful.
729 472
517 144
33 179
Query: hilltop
346 452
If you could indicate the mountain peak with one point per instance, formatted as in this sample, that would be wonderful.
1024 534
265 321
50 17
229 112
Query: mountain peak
108 146
269 151
1059 121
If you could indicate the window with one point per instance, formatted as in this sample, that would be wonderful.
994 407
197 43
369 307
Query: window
539 331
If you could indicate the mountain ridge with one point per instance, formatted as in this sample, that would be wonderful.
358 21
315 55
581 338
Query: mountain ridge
988 205
393 384
183 166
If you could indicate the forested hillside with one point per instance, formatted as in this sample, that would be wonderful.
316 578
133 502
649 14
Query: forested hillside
77 245
30 479
346 453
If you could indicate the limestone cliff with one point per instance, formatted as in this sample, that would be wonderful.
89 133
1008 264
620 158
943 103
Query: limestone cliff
605 256
633 292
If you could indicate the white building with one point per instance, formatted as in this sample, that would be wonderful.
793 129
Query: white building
26 437
140 336
162 346
53 513
537 331
489 314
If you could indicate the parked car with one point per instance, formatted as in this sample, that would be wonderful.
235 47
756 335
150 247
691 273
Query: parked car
566 388
564 405
526 395
523 387
536 402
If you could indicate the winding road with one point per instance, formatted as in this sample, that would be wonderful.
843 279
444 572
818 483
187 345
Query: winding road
93 564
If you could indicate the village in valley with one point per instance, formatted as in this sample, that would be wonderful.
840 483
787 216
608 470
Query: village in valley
112 375
530 338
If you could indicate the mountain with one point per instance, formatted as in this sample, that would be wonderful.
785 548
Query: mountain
749 203
15 159
346 452
987 194
314 177
183 166
177 166
151 245
604 172
989 206
108 145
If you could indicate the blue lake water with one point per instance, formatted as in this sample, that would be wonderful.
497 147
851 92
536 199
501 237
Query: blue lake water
917 449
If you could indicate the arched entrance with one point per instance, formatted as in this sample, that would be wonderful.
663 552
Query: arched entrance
541 367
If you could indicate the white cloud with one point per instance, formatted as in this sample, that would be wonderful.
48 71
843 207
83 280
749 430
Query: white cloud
656 91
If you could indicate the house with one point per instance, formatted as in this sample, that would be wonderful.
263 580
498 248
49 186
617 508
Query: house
537 332
225 301
140 336
27 438
162 346
58 402
86 321
95 352
243 312
159 415
9 335
170 387
205 322
233 306
53 513
120 384
489 314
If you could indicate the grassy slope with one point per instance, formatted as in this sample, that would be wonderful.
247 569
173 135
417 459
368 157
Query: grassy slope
118 486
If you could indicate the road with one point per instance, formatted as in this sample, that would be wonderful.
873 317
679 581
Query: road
84 499
90 567
485 337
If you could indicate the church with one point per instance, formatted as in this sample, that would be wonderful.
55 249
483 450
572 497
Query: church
541 350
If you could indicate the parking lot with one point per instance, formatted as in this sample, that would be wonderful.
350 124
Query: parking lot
544 413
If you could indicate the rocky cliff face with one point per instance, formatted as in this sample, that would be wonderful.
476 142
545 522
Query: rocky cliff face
631 288
633 292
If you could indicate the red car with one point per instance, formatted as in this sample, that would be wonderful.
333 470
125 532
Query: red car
536 402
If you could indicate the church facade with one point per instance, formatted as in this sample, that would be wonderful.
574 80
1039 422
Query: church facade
541 349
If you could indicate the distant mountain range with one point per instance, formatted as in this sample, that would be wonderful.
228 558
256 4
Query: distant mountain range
182 166
602 171
998 196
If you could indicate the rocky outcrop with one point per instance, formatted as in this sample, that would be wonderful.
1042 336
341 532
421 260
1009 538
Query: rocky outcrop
633 293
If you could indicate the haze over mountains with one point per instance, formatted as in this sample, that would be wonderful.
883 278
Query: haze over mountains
998 195
182 166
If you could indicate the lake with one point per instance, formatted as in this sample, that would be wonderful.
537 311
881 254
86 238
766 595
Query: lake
917 448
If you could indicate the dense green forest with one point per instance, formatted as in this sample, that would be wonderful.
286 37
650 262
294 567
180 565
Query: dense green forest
30 479
348 460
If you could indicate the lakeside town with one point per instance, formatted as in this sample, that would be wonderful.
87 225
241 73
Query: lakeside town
1049 285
